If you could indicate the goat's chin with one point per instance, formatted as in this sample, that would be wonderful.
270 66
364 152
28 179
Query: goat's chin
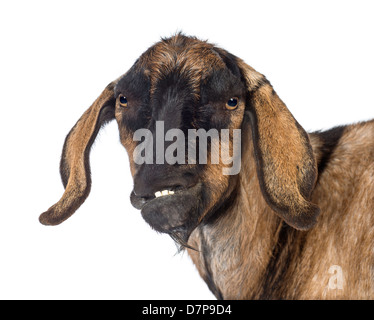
176 214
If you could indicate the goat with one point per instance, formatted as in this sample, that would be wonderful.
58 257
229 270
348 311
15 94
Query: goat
299 211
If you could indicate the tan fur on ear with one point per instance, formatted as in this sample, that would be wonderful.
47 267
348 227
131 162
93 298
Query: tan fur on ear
285 162
75 167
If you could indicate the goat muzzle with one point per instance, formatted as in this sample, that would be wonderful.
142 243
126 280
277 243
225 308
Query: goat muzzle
173 212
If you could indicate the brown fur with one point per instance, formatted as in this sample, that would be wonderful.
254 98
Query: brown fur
343 235
283 223
187 55
76 171
284 174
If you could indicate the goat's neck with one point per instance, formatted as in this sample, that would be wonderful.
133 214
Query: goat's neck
235 250
248 252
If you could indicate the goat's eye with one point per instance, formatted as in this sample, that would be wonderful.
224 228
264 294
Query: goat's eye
232 103
123 101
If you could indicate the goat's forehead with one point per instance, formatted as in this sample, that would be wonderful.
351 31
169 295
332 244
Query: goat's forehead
191 58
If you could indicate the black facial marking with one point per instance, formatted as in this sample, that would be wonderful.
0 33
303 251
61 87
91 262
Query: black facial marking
230 61
133 91
216 90
221 85
134 83
173 101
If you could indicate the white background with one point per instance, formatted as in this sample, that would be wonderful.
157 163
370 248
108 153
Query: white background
57 57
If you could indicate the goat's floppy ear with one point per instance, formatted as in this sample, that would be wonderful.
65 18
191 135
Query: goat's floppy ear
286 166
74 165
